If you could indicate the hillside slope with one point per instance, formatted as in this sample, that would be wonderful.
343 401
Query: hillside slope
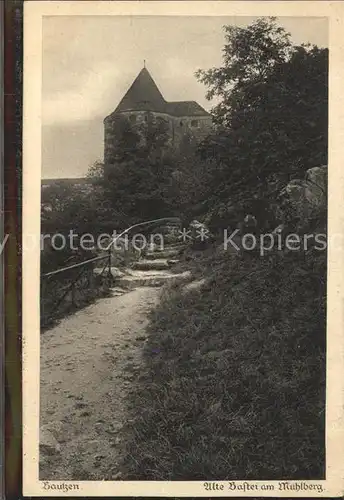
235 386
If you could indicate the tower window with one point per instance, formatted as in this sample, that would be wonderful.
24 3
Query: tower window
181 123
194 123
132 118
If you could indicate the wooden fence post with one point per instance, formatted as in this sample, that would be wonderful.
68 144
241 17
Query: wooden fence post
109 264
73 293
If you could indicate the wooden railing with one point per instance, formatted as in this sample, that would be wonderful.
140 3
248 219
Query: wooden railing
65 286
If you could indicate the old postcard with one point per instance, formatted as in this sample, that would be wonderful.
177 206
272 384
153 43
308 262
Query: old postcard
183 249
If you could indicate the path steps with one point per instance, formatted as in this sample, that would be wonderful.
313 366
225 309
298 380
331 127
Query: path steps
150 278
118 291
151 265
153 270
162 254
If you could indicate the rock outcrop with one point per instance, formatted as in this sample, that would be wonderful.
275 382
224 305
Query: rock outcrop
48 443
304 198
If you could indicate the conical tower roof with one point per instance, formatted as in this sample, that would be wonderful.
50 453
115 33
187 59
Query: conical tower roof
143 95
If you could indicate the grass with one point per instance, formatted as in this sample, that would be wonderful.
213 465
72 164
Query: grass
234 379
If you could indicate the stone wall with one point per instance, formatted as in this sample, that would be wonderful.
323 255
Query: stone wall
179 128
195 126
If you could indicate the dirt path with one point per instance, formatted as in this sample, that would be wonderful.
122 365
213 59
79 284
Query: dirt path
89 363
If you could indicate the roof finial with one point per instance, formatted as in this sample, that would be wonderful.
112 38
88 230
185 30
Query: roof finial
144 63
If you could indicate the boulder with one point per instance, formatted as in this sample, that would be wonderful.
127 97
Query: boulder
48 443
303 198
195 285
318 177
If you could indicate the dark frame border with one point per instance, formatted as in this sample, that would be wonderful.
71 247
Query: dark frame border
12 210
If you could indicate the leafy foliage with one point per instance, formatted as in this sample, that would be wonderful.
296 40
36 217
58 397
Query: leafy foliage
249 55
272 118
83 208
139 181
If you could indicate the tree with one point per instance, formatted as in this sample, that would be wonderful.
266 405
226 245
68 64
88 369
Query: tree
95 173
138 181
272 117
249 56
81 208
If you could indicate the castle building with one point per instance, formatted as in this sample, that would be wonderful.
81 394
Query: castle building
144 101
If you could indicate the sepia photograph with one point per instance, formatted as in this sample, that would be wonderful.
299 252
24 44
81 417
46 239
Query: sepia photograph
183 253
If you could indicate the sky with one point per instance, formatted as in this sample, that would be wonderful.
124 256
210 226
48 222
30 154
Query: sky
90 62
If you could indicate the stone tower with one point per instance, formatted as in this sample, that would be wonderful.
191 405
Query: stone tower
144 101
